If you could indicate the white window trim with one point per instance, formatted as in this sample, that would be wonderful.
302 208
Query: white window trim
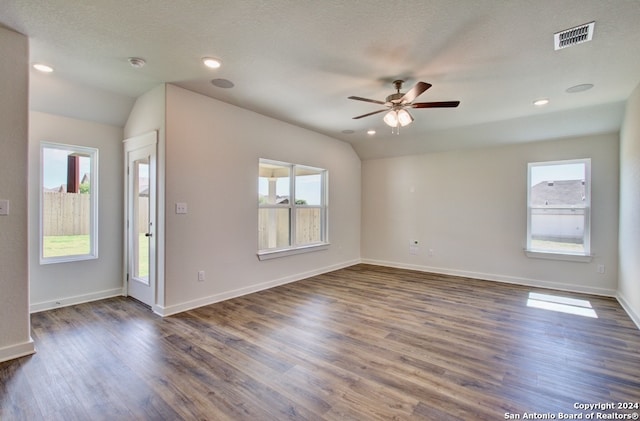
274 254
566 256
294 249
569 257
93 222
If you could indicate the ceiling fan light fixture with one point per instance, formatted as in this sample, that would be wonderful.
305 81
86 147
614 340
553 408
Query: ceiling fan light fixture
397 115
404 118
391 118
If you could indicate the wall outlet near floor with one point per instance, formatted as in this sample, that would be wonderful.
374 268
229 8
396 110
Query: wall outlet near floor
4 207
181 208
201 276
600 268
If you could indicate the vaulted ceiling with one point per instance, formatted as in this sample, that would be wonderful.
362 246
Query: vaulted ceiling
298 61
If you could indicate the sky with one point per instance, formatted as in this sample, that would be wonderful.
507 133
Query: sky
557 172
308 187
54 173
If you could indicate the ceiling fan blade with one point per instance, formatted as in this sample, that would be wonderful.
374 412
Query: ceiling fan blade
442 104
368 114
375 101
415 92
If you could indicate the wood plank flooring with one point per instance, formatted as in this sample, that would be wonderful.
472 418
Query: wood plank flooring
362 343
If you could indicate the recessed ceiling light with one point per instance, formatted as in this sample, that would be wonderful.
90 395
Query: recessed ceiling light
540 102
371 132
579 88
43 68
136 62
222 83
212 63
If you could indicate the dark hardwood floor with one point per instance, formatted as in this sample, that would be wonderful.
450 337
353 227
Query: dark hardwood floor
362 343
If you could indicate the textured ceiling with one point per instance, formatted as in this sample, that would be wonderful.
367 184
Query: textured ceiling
298 61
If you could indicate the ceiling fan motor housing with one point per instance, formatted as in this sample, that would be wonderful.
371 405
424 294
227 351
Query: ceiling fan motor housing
395 98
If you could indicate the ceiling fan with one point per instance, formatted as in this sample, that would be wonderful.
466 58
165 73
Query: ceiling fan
398 103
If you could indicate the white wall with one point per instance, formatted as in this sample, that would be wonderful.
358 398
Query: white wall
629 277
15 338
212 152
469 208
60 284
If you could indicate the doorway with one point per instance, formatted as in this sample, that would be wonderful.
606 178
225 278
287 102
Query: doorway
140 217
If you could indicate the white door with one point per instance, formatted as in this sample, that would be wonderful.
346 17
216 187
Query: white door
141 218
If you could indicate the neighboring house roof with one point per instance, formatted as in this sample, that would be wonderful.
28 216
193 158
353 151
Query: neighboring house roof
280 200
553 193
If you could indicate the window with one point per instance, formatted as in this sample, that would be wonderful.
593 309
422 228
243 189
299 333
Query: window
292 214
68 204
559 203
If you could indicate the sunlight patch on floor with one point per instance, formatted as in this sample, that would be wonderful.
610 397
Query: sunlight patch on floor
561 304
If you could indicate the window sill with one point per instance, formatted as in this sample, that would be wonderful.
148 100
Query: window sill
274 254
585 258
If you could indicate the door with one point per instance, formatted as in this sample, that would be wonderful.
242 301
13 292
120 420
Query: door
141 218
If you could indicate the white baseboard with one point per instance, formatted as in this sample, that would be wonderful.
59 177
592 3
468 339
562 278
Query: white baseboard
498 278
635 317
212 299
78 299
18 350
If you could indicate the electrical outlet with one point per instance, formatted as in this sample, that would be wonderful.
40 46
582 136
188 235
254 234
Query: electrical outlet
430 252
201 276
4 207
600 268
181 208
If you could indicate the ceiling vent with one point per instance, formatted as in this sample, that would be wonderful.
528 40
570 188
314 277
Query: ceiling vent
573 36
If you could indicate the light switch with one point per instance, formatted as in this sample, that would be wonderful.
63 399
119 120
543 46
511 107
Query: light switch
4 207
181 208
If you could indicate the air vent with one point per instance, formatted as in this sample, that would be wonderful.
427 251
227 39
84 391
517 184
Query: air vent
573 36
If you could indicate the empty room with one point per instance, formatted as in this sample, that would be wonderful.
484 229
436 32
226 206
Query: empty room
363 210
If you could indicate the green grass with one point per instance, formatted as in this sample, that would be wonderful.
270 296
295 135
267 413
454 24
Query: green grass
66 245
143 255
78 245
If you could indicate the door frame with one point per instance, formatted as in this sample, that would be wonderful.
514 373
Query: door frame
132 144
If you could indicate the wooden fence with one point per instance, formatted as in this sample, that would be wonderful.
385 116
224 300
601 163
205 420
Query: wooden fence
308 227
66 213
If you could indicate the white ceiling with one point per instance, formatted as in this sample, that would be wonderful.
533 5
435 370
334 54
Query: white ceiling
299 60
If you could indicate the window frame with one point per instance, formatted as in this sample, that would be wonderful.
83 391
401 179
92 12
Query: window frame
93 154
294 248
583 256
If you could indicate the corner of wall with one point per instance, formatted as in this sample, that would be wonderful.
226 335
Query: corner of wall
629 225
15 338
